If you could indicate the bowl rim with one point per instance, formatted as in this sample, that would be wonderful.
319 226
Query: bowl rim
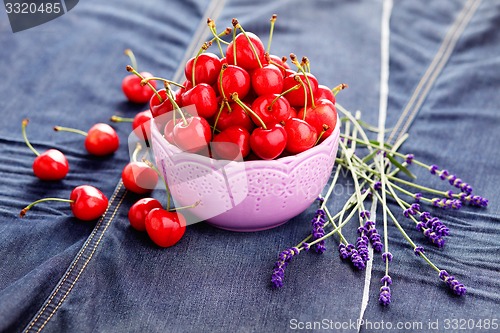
155 132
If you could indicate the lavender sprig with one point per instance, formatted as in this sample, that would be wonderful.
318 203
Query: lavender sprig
280 265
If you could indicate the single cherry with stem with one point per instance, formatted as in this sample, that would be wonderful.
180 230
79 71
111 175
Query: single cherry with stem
246 50
100 140
137 176
267 142
233 79
131 86
271 109
324 114
204 67
87 203
165 228
49 165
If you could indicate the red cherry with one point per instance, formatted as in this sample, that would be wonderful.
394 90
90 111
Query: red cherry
279 62
233 79
139 178
102 140
300 135
203 97
131 86
323 114
231 144
271 109
235 116
138 212
193 134
165 228
168 132
297 97
245 56
50 165
267 80
324 92
268 143
87 203
158 107
207 69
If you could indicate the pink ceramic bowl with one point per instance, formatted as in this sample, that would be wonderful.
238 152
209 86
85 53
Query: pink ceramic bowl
245 196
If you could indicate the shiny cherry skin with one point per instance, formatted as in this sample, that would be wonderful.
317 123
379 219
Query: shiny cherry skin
245 56
268 143
324 92
270 115
139 210
168 131
300 135
234 79
324 113
102 140
232 144
202 97
192 135
139 178
165 228
207 69
283 66
131 86
297 97
51 165
235 116
141 125
267 80
89 203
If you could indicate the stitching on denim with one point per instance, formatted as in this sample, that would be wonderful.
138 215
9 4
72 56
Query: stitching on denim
214 9
440 59
76 261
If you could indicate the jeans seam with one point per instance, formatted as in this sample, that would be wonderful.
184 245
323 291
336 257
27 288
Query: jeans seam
438 62
98 231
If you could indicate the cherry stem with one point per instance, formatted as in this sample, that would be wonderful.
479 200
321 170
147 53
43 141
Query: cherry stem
234 97
213 30
271 31
234 46
69 129
270 106
338 88
131 56
185 207
237 25
217 118
118 119
137 149
307 64
146 81
136 73
297 78
152 166
270 61
168 92
23 127
301 69
25 209
325 128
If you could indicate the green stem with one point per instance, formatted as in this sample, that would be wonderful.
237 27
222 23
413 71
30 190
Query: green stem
146 81
118 119
234 97
25 209
301 69
132 58
254 51
68 129
25 137
271 31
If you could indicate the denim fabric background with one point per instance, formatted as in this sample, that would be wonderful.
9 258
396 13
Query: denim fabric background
68 72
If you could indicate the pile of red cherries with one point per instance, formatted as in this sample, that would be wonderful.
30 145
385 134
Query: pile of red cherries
245 103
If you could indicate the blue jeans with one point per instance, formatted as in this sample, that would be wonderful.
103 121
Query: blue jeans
58 274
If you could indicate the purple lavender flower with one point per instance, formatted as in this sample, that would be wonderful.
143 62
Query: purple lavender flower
344 251
280 266
377 186
419 250
373 236
362 247
433 169
357 260
385 296
306 246
434 238
474 200
387 256
318 223
417 197
364 214
386 280
409 158
452 283
432 223
445 203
